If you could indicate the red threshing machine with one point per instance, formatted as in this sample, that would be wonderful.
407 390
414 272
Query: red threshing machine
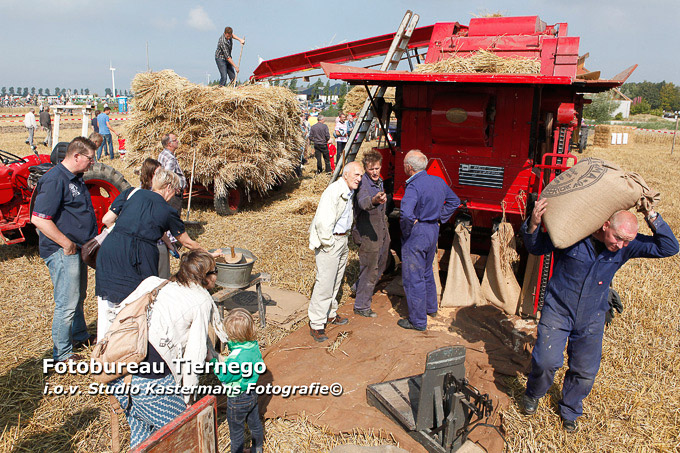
18 179
496 139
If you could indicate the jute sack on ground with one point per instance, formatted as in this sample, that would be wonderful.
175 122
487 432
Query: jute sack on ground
462 285
499 286
582 198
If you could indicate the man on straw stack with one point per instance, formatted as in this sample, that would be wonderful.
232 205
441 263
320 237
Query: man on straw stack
428 202
370 233
168 160
64 215
577 300
223 59
328 238
320 137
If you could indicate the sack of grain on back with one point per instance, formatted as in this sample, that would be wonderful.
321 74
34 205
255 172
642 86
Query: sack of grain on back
582 198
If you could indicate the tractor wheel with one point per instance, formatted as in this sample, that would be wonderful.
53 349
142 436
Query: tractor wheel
231 203
104 184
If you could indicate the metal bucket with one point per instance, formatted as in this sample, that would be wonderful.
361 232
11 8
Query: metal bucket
235 275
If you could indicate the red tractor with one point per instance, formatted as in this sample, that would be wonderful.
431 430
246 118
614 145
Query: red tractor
496 139
20 175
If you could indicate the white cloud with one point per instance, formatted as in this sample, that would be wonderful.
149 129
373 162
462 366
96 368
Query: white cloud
200 20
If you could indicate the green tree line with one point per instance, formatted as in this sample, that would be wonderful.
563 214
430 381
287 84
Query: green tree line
25 91
655 96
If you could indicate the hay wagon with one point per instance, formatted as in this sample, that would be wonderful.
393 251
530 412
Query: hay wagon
496 107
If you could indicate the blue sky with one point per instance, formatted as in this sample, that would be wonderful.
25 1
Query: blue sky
69 43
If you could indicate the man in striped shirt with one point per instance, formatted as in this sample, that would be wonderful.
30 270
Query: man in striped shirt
168 160
223 59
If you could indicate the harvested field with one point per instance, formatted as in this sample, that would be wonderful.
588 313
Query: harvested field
634 405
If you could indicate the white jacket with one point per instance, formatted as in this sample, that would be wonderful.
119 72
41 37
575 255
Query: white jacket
29 120
179 325
331 206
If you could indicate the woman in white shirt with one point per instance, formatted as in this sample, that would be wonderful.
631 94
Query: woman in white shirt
178 339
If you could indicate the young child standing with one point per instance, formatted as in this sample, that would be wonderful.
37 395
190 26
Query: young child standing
241 405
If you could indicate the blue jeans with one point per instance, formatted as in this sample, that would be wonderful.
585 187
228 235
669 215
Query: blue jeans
108 142
226 70
240 409
69 278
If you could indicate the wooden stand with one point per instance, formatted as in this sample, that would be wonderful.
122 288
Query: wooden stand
221 296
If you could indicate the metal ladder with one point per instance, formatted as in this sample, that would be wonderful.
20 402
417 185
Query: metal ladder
397 49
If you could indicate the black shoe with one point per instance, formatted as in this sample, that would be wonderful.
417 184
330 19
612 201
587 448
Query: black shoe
86 343
406 324
27 142
367 313
570 426
529 404
432 315
319 335
338 321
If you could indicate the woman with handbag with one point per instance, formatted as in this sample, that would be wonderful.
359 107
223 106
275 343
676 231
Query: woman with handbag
178 330
130 253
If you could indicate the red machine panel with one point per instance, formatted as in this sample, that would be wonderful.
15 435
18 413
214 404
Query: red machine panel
461 119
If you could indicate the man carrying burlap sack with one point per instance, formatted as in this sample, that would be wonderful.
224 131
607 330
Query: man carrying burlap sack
577 299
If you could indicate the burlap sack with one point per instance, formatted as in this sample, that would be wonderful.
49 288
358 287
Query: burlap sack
499 285
582 198
462 285
437 280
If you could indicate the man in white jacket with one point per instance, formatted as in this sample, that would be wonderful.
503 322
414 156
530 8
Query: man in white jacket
29 122
328 236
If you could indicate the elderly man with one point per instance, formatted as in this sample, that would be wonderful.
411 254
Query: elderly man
320 138
168 160
328 238
65 218
46 123
428 202
576 302
223 59
370 232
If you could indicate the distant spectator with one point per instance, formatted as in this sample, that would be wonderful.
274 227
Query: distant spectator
96 138
320 137
105 129
225 64
46 123
340 135
95 123
29 122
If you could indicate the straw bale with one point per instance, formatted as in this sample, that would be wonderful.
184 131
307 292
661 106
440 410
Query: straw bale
355 98
483 61
247 136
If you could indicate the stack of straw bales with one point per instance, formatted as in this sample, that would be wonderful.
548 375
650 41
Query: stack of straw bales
483 61
247 136
603 134
356 97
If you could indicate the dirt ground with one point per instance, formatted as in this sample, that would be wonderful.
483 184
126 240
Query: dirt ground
634 405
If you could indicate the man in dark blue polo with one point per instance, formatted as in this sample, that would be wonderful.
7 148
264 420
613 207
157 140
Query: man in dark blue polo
65 218
577 299
428 201
370 232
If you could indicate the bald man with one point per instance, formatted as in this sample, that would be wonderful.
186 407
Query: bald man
328 238
577 299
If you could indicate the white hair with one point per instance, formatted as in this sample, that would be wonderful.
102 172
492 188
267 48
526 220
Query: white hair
416 160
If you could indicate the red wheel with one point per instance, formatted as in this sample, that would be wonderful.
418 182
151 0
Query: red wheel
231 203
105 184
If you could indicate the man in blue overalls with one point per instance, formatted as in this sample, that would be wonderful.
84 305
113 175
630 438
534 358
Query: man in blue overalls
428 201
577 299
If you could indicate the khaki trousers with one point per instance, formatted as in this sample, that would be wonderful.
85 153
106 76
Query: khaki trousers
330 268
